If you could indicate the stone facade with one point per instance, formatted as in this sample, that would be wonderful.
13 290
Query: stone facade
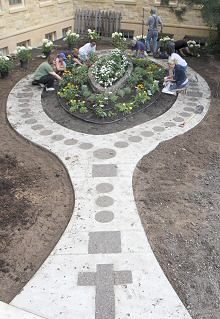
29 21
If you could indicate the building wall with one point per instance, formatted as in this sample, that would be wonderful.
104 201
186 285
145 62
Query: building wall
33 19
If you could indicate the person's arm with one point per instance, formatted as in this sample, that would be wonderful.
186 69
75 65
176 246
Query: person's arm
55 75
161 24
77 61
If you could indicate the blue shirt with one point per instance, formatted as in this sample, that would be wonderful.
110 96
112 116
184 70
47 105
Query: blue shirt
139 46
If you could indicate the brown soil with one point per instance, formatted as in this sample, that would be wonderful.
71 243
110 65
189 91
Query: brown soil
177 190
36 200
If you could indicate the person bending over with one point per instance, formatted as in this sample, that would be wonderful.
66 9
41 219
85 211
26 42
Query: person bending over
139 47
87 50
60 64
177 71
45 74
181 47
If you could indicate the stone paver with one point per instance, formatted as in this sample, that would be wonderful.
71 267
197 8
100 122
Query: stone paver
103 266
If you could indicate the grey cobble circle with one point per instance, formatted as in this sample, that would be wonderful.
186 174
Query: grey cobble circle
104 216
147 133
104 201
46 132
135 139
178 119
23 100
24 111
57 137
188 109
26 115
70 141
22 105
37 127
169 124
121 144
192 99
104 188
31 121
85 146
104 153
185 114
158 128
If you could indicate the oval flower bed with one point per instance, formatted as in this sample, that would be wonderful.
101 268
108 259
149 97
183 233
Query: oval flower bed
111 103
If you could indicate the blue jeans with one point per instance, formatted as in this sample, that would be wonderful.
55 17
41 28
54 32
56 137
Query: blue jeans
152 34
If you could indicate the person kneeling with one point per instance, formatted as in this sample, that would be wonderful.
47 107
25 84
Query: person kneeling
139 47
45 75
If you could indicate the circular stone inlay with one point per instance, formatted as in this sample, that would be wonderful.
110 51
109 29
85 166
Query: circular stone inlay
104 188
185 114
24 110
169 124
31 121
158 128
147 133
178 119
26 115
104 216
135 139
23 105
104 201
71 141
188 109
37 127
193 99
104 153
57 137
46 132
121 144
85 146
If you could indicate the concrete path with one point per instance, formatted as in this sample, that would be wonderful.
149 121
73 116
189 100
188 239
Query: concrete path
103 266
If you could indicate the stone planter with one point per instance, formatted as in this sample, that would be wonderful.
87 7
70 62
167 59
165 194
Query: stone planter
4 74
23 64
115 87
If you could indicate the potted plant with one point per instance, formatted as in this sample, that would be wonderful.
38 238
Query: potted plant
93 35
71 39
119 41
5 65
47 47
24 55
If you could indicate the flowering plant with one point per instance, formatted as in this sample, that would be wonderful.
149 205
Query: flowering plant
194 47
71 38
5 64
93 35
108 70
165 41
24 54
119 41
47 46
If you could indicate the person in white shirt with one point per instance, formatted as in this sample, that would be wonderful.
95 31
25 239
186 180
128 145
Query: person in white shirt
177 71
87 50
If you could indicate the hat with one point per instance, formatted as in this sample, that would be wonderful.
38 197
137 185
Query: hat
62 55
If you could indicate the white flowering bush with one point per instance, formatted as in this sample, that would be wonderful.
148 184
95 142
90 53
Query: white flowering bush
23 53
119 41
71 39
47 46
107 70
165 41
93 35
194 47
5 64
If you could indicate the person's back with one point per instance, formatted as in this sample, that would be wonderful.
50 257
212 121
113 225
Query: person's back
43 69
154 21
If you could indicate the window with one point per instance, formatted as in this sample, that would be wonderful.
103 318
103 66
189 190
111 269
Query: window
169 3
64 31
4 51
24 43
51 36
128 34
13 2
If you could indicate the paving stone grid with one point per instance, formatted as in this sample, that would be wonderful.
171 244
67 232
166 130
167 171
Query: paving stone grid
103 266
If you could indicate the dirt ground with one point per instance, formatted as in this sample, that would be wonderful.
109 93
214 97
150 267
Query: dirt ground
177 191
176 187
36 201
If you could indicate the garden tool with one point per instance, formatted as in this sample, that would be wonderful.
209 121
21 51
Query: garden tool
199 109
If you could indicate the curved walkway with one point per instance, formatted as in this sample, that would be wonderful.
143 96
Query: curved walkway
103 266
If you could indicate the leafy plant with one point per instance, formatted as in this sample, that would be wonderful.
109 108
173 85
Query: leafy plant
5 64
125 108
93 35
119 41
71 39
23 54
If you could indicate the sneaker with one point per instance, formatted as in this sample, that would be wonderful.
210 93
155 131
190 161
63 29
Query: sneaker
50 89
41 85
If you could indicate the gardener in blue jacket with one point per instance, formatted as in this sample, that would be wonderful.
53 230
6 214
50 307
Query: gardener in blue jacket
139 47
153 23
